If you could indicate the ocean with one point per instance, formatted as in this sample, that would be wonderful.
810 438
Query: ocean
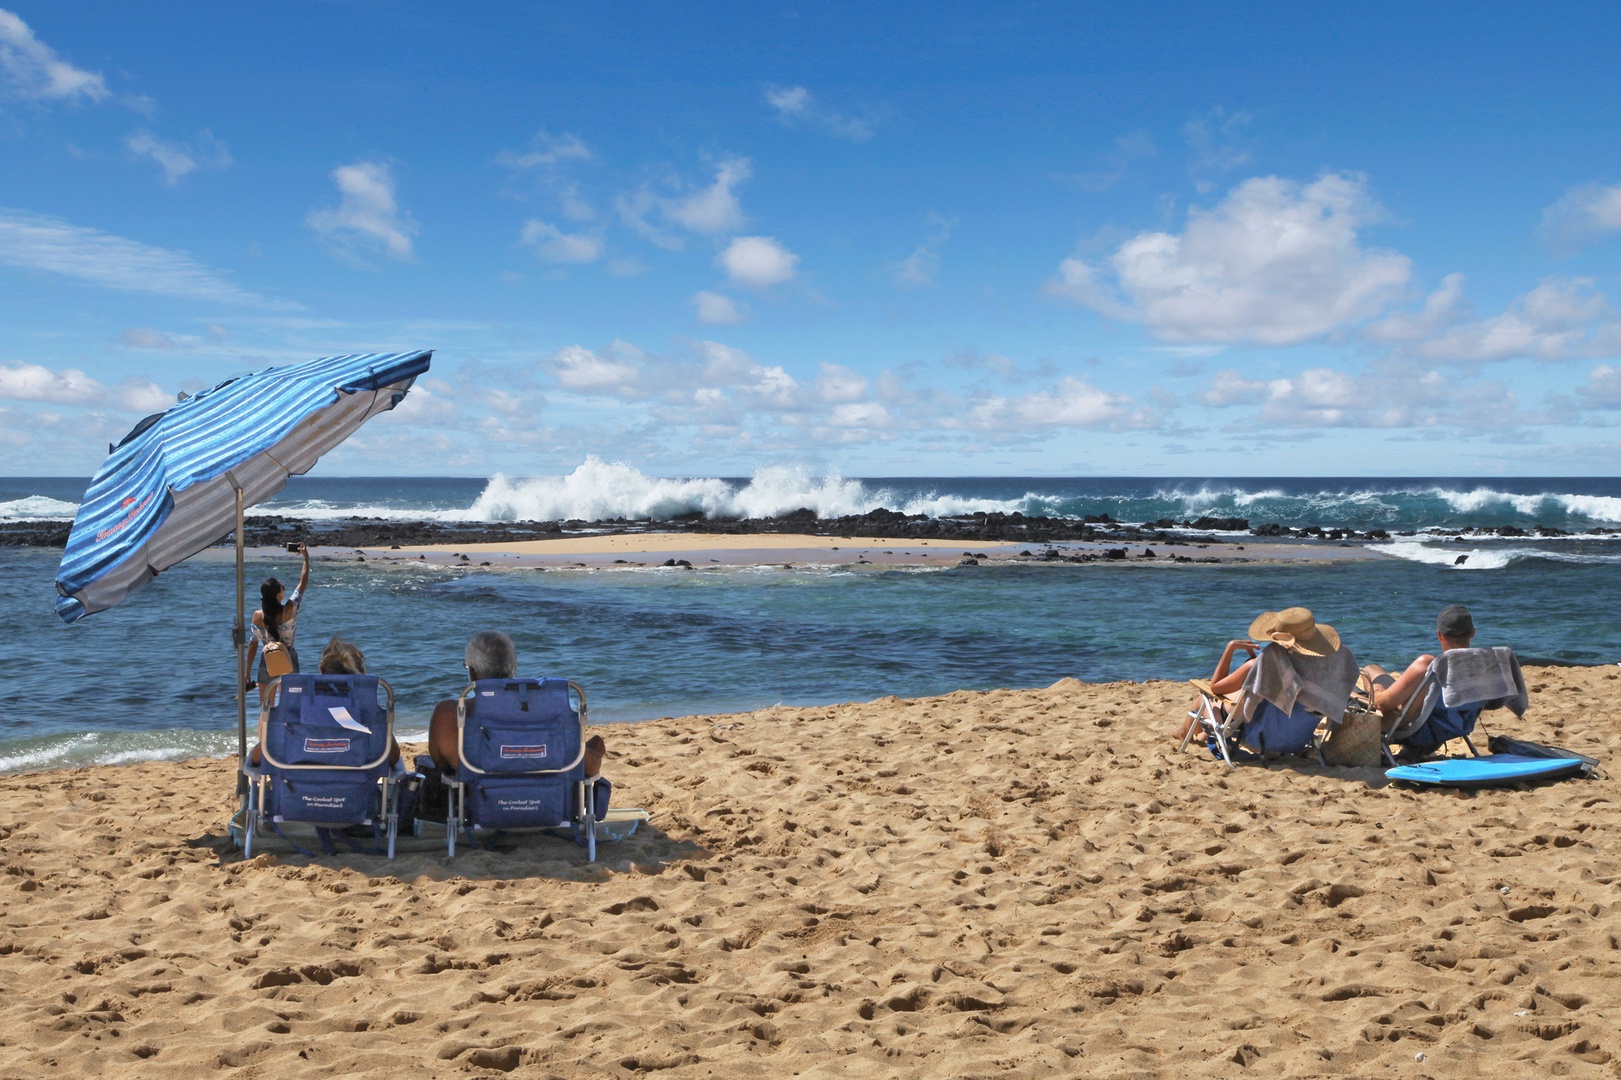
153 677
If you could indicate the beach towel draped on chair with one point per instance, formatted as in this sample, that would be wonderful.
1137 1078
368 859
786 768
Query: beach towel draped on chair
1280 705
1448 701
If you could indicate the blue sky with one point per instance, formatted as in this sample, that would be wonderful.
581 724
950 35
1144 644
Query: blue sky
903 239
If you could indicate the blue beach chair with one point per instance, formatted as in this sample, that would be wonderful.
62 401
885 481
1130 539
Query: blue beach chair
1448 701
325 742
522 749
1279 708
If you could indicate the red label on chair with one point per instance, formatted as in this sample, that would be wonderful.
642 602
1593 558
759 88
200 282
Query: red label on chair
326 746
509 751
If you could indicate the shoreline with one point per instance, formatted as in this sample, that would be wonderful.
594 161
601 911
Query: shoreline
654 549
1024 883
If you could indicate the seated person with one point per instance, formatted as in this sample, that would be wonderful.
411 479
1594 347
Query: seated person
1294 629
1454 629
490 654
339 658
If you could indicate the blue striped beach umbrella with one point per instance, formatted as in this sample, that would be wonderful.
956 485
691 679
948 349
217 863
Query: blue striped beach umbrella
180 480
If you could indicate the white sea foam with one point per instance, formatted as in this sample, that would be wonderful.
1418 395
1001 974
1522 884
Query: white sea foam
1474 559
37 508
1596 508
598 490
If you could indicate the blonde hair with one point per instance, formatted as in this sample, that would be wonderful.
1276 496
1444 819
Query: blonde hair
342 658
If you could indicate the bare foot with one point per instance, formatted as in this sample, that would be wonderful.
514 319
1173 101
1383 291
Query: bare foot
595 749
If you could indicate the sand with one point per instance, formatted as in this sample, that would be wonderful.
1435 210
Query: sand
702 550
1013 883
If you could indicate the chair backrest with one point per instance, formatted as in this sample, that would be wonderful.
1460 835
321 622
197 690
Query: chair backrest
521 727
1459 685
1320 685
327 722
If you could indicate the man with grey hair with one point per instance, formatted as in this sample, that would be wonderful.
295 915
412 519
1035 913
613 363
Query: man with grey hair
490 654
1454 629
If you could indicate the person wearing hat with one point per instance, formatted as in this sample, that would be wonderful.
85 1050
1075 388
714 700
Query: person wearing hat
1454 629
1294 629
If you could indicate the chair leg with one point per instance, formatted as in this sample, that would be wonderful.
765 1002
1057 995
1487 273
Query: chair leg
249 819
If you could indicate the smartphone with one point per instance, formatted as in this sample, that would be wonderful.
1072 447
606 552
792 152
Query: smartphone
294 547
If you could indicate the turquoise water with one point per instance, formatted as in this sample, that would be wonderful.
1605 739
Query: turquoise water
153 677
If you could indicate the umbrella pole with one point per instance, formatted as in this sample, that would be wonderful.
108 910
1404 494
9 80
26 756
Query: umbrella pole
240 636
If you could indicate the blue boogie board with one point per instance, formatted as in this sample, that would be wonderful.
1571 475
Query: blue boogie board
1488 770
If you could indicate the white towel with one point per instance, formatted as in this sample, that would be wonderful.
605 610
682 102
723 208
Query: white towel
1489 678
1322 684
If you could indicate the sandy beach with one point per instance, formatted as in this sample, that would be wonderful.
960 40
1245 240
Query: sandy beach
1012 883
643 549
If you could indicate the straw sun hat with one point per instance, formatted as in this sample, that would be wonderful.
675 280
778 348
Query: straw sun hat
1297 631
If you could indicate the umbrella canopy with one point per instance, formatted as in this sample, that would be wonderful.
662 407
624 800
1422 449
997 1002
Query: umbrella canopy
170 488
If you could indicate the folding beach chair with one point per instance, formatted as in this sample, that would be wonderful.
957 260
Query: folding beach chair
522 749
325 743
1448 701
1278 709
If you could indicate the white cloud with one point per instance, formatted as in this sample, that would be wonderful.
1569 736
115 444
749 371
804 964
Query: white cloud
31 382
839 385
578 368
716 207
717 308
1071 403
368 218
37 72
1560 319
1228 387
176 159
796 104
35 242
1275 263
142 396
554 245
1602 389
144 337
1583 214
547 150
923 265
757 261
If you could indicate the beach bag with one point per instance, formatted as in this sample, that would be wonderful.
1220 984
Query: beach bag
278 661
1357 740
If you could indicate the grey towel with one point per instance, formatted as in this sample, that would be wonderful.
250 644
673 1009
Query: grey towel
1321 683
1489 678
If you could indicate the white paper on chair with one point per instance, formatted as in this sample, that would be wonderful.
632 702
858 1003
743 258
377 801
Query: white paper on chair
341 715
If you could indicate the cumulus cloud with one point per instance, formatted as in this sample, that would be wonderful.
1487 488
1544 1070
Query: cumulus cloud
1274 263
31 382
1584 214
839 385
35 71
367 219
757 261
176 159
795 104
35 242
1602 389
578 368
1070 403
1560 319
1396 394
554 245
715 208
717 309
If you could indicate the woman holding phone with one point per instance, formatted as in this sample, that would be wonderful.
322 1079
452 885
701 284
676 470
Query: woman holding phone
275 624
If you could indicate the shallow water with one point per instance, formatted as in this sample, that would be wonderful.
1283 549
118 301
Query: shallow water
153 677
